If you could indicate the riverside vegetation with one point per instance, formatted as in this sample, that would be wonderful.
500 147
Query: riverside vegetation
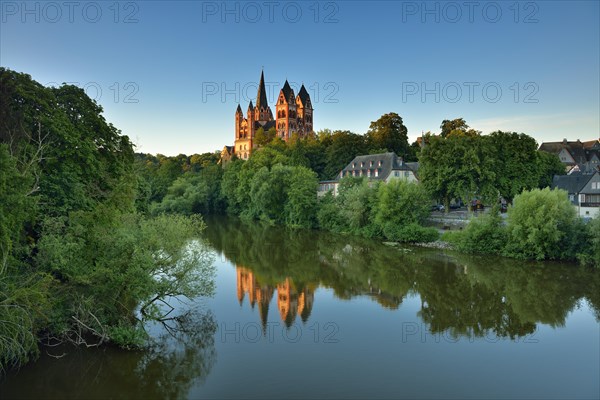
79 261
94 238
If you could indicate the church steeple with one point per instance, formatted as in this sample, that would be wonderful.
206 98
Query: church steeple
261 96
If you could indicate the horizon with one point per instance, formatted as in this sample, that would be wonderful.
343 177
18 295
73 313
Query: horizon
170 75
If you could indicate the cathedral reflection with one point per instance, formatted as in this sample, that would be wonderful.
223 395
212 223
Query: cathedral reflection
291 300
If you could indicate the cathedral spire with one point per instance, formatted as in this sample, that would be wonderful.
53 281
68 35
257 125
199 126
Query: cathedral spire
261 96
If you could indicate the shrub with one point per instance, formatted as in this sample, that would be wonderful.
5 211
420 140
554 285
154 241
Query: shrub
590 253
484 234
539 223
411 233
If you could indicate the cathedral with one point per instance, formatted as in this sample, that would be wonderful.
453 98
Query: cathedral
293 115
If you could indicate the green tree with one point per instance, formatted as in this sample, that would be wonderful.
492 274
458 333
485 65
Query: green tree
448 126
548 165
389 132
539 222
342 148
458 167
300 208
514 161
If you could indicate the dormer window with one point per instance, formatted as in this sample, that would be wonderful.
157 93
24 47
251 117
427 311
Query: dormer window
371 163
380 163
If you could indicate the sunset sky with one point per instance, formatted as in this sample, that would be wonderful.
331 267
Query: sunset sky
171 74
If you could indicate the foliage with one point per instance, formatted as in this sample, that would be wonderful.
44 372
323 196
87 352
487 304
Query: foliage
484 234
402 203
448 126
301 206
112 263
548 165
75 258
538 223
590 253
457 167
468 166
389 132
194 193
411 233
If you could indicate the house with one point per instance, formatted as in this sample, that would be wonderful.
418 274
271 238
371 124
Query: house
577 156
382 167
226 154
589 197
583 190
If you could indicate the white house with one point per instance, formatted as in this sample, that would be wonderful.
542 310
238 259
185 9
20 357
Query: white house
383 167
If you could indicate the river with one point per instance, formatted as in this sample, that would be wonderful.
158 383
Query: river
306 314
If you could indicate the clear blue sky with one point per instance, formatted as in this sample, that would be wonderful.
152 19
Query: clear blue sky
170 74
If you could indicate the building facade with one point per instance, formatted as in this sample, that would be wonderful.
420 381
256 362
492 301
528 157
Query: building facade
577 156
293 116
383 167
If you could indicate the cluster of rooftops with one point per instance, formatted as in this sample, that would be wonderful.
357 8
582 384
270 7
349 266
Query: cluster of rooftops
582 166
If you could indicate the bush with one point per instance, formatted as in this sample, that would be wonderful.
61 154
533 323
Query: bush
401 203
590 253
540 223
111 264
484 234
411 233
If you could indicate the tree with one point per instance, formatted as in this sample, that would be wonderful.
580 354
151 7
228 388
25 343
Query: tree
459 167
402 203
514 161
300 208
548 165
538 223
389 132
458 124
262 138
343 147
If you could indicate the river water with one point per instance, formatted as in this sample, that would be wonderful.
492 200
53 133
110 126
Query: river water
305 314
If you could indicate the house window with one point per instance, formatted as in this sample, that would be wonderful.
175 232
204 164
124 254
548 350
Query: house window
591 198
396 173
353 165
371 163
369 173
380 163
406 174
362 164
572 197
376 172
595 185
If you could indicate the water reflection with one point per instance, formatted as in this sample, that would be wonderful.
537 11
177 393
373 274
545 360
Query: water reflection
291 299
182 353
461 296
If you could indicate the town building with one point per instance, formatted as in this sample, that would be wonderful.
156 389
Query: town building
382 167
293 117
577 156
583 190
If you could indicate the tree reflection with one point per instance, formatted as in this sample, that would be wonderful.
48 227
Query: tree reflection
181 354
460 295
